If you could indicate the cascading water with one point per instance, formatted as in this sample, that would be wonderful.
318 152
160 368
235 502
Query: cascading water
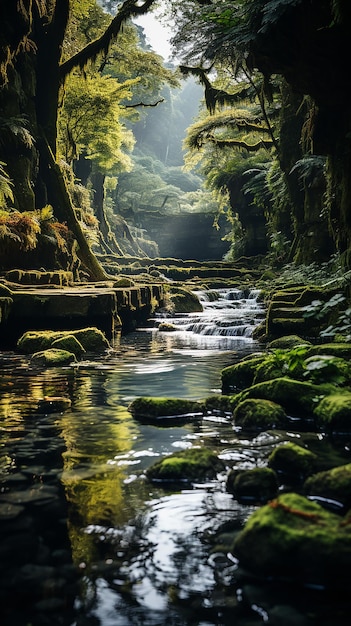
227 313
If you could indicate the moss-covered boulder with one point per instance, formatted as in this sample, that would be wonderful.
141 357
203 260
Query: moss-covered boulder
294 538
333 413
191 464
342 350
220 403
258 414
183 300
240 375
92 339
333 484
69 343
253 486
89 339
53 357
298 398
150 409
288 341
292 463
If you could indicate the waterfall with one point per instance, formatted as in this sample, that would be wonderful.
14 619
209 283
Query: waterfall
228 312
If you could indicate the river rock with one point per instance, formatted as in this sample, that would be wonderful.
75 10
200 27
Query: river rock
258 414
253 486
296 539
156 409
292 462
331 485
53 357
191 464
333 413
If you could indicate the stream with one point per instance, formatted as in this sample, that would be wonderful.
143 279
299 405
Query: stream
144 550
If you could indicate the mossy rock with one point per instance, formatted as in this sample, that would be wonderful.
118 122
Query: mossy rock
253 486
221 403
294 538
333 484
333 413
184 301
69 343
297 398
259 414
268 370
191 464
90 339
288 341
167 327
152 409
240 375
292 462
53 357
123 282
342 350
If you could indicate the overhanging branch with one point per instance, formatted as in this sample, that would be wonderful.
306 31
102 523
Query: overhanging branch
130 8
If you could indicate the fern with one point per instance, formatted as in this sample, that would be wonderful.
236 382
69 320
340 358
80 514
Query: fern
6 184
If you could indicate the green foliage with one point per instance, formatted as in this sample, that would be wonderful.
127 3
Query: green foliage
6 192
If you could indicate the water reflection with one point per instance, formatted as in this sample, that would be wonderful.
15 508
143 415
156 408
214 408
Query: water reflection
144 549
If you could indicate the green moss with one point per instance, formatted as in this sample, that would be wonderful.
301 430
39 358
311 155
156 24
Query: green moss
333 412
296 538
149 408
218 403
257 485
288 341
334 484
342 350
184 300
292 461
53 358
240 375
259 414
90 339
190 464
296 397
69 343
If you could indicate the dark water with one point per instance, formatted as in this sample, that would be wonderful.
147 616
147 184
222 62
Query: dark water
146 551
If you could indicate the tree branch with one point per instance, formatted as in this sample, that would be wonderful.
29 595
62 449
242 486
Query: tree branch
129 9
143 104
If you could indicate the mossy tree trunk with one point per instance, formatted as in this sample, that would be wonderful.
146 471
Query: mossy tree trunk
32 77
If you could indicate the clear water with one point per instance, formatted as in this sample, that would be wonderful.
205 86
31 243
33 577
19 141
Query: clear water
145 550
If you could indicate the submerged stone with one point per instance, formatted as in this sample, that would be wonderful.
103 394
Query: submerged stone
259 414
253 486
294 538
155 409
53 357
191 464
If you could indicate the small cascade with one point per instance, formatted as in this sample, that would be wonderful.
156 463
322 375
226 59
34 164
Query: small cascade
229 313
